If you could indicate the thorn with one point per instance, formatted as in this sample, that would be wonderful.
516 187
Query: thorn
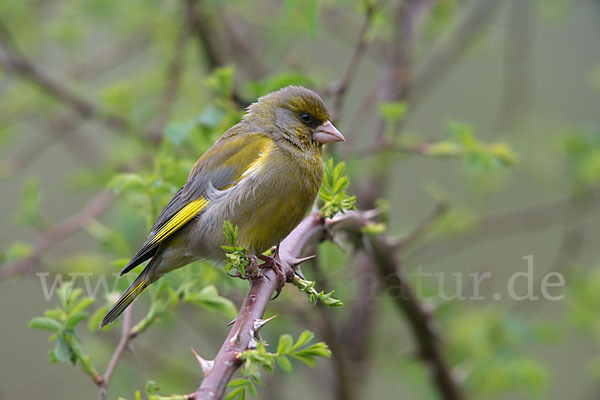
206 365
236 336
298 272
252 344
297 261
231 322
259 323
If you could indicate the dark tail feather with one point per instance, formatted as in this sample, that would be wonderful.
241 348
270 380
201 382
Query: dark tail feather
132 292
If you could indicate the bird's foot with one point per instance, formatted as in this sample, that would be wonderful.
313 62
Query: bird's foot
272 262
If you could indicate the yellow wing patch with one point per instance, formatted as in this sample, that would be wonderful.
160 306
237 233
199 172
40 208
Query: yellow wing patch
178 220
260 161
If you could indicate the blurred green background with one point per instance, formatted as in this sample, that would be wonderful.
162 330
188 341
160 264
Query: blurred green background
491 106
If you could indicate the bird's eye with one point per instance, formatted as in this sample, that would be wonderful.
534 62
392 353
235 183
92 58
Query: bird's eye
306 117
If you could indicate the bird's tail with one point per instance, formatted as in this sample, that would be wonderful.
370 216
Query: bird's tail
132 292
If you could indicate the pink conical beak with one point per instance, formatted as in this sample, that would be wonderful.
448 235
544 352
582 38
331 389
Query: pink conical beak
327 133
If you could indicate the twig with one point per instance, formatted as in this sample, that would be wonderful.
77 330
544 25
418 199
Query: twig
448 49
518 65
242 44
394 87
341 88
419 317
346 383
13 61
172 83
108 56
58 232
200 27
528 219
61 128
423 227
123 341
382 251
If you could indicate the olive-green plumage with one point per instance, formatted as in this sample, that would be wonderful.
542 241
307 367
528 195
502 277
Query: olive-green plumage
262 175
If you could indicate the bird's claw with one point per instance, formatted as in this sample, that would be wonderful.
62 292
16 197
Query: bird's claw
273 263
252 270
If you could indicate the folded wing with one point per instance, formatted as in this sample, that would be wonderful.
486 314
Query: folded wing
225 164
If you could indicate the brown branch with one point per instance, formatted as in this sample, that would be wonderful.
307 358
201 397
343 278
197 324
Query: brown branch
395 86
341 88
346 382
253 308
13 61
382 251
243 44
449 48
126 335
109 56
200 27
524 220
419 318
226 362
57 233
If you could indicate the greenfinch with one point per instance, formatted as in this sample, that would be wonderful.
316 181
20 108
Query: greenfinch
262 175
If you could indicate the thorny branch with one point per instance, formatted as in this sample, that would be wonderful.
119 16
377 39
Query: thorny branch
126 335
382 252
253 308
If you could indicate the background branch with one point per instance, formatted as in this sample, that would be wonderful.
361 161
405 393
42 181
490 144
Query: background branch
57 233
13 61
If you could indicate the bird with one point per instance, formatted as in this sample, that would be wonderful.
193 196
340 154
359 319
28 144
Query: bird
262 175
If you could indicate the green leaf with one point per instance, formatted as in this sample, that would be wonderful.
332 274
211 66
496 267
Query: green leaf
57 314
239 393
393 111
237 382
74 319
83 304
94 321
126 181
209 298
17 251
332 194
285 344
210 117
305 337
221 80
151 387
177 132
284 363
62 350
46 324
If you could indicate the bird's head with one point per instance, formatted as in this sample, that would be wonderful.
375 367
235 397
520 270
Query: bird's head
298 115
